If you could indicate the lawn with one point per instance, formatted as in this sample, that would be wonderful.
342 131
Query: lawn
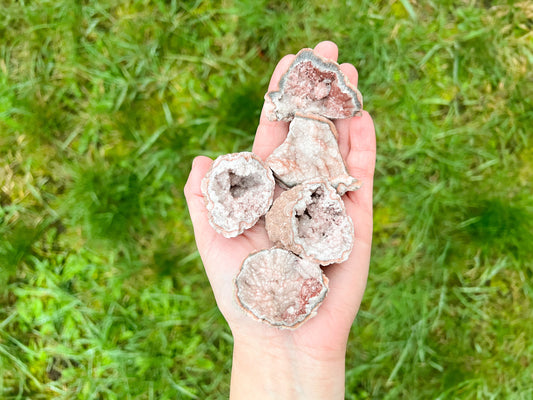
103 106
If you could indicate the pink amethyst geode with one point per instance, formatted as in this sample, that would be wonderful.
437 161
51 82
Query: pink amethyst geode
238 190
313 85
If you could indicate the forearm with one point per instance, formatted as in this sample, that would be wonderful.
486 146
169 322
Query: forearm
274 371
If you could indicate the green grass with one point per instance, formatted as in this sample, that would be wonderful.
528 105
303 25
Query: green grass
104 104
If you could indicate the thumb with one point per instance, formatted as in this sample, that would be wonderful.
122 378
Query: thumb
203 231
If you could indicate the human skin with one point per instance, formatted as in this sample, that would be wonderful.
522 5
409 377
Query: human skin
307 362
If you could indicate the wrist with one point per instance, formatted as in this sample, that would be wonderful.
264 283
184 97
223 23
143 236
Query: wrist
282 368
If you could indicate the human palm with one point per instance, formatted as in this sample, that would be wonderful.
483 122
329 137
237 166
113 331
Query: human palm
222 257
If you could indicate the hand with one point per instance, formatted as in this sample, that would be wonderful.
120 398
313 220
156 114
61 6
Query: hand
311 357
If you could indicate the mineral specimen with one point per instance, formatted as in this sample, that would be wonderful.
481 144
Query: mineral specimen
310 151
313 85
238 190
311 221
280 288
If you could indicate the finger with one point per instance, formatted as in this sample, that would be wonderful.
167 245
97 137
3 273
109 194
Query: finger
360 163
327 49
347 281
282 67
203 231
343 125
350 72
213 248
206 237
361 157
270 134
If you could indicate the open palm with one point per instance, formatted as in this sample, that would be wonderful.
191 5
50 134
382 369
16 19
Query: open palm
222 257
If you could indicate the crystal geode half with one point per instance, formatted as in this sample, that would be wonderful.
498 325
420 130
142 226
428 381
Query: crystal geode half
310 220
238 190
313 85
280 288
311 151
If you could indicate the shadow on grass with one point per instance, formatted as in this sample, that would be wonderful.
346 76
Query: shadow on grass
497 225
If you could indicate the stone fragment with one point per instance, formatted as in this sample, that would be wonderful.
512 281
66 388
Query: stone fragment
280 288
238 190
311 151
313 85
310 220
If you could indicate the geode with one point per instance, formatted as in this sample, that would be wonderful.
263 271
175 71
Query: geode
280 288
238 190
310 220
313 85
311 151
